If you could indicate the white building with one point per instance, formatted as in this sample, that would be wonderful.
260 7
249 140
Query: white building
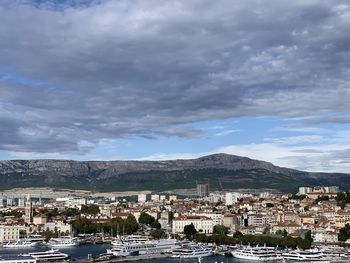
201 223
9 232
141 198
9 201
2 201
232 198
21 202
304 190
155 198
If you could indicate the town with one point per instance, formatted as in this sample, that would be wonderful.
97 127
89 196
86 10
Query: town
312 217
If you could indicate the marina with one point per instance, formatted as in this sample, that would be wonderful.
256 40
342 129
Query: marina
91 253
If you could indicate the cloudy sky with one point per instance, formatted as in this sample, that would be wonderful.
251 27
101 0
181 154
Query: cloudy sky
155 79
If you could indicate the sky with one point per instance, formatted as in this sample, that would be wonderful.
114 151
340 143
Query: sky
156 80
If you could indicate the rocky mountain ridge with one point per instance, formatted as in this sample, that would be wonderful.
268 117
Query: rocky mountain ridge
151 175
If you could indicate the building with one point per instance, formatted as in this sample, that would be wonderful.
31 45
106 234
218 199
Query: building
40 219
202 224
304 190
141 198
155 198
231 198
202 190
21 202
2 201
9 232
10 201
172 198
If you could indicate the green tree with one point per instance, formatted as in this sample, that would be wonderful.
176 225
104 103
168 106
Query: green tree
284 233
158 233
237 234
344 233
220 230
190 230
146 219
90 209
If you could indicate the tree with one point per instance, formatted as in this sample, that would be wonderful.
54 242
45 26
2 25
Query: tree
237 234
190 230
158 233
90 209
156 225
344 233
146 219
284 233
220 230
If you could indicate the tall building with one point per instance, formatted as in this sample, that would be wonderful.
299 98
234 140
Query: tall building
141 198
9 201
304 190
21 202
202 190
28 216
2 201
232 198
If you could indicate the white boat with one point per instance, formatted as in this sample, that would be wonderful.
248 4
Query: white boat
311 255
65 241
49 256
125 248
20 243
17 259
257 253
129 239
192 251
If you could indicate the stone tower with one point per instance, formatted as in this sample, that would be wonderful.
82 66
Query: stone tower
28 216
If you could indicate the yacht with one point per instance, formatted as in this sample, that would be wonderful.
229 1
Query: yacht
123 246
129 239
313 255
66 241
49 256
16 259
257 253
20 243
192 251
126 249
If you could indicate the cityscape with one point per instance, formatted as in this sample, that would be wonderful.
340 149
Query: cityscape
193 131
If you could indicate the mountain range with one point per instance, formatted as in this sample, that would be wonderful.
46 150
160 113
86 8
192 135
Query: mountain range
221 171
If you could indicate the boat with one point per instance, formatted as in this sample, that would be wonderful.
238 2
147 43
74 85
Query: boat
257 253
192 251
20 243
65 241
36 238
126 249
141 245
16 259
310 255
129 239
49 256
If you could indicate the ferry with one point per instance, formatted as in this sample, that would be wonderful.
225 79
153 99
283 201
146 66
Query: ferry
20 243
62 242
125 248
311 255
257 253
192 251
17 259
129 239
49 256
